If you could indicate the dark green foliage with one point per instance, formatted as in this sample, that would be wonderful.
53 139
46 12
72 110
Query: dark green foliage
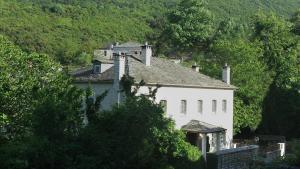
248 73
242 11
40 117
93 105
24 81
66 29
40 111
293 157
296 21
264 60
135 135
281 54
190 25
231 44
281 112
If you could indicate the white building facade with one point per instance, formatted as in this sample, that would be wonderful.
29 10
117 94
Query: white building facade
200 104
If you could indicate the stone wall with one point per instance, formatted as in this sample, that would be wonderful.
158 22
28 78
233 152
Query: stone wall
237 158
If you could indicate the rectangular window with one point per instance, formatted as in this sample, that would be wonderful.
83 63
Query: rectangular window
200 106
183 106
97 69
105 53
214 106
163 104
224 106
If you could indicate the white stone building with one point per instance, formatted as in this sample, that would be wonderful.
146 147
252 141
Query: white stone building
199 104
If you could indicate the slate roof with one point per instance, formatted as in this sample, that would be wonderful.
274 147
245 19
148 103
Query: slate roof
162 72
129 45
86 74
102 59
196 126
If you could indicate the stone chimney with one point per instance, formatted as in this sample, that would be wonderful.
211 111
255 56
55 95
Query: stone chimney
119 66
146 54
195 67
226 74
119 72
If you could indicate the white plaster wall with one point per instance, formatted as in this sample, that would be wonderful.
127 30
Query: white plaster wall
101 53
106 66
174 95
98 89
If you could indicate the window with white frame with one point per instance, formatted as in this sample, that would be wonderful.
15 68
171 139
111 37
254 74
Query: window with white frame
200 106
183 106
163 104
214 106
224 106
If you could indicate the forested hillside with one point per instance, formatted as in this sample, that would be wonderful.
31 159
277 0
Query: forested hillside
69 30
41 115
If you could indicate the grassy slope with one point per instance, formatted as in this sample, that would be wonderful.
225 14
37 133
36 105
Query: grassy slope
86 25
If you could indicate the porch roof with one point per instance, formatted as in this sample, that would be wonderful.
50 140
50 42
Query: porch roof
196 126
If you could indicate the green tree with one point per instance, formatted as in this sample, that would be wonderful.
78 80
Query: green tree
40 111
22 76
136 134
280 48
248 72
190 25
296 21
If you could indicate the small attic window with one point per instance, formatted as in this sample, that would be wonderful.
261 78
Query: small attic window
96 69
105 53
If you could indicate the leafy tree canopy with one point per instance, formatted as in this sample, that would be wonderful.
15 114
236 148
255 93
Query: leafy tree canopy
25 80
136 134
190 25
67 29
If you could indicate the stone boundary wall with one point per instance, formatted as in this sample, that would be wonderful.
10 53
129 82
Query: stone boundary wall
237 158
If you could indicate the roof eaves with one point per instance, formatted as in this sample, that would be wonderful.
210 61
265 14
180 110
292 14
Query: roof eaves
92 81
191 86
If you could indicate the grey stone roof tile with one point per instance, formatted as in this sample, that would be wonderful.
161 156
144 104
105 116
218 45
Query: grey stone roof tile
86 75
166 72
162 72
196 126
129 44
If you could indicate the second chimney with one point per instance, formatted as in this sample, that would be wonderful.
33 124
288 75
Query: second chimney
195 68
146 54
119 66
226 74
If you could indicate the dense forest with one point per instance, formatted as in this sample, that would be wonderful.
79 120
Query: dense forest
41 118
69 30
